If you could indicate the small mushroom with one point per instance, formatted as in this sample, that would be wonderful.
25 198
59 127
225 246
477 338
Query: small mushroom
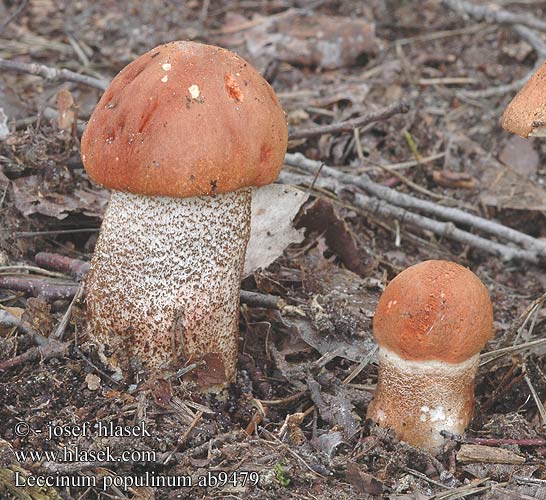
431 323
181 136
526 113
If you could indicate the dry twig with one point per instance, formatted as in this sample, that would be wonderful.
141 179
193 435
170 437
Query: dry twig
14 15
349 125
52 349
63 324
442 229
49 289
494 15
52 74
521 24
534 248
53 290
75 267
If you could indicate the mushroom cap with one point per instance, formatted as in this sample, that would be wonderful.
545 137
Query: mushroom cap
186 119
434 310
526 113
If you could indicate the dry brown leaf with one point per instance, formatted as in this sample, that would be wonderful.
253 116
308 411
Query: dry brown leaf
38 316
322 217
362 481
508 189
34 196
14 311
450 179
329 42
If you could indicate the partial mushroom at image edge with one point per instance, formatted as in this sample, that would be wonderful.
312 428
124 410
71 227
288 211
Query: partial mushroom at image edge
526 113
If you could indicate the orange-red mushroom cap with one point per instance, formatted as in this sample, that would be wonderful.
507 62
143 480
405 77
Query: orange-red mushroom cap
186 119
434 310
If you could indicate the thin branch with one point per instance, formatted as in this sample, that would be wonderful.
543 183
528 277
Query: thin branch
52 349
488 357
255 299
52 74
63 324
493 441
387 211
349 125
444 229
498 91
537 248
536 398
52 290
13 16
28 269
75 267
34 234
494 15
521 24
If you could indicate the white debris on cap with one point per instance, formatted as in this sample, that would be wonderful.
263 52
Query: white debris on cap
194 91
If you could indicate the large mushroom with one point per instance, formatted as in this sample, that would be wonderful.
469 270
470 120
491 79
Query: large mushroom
181 136
431 323
526 113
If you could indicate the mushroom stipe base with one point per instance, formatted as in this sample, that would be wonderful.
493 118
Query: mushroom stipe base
164 283
419 399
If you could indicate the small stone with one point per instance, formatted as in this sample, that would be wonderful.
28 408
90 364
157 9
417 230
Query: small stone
92 381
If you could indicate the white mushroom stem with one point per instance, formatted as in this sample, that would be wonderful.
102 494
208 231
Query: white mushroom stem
164 282
419 399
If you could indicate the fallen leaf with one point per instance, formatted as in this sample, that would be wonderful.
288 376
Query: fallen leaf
502 187
351 349
322 217
37 316
14 311
336 409
32 195
274 208
362 481
520 154
293 423
329 42
341 309
508 189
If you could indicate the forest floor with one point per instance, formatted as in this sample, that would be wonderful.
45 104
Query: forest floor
295 420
